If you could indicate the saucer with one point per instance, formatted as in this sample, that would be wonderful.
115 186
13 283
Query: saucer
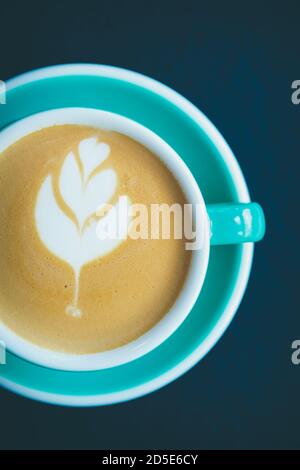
215 168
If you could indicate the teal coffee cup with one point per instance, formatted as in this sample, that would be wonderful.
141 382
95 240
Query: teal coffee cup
206 169
216 224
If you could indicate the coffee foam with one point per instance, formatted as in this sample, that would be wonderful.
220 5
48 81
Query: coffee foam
51 261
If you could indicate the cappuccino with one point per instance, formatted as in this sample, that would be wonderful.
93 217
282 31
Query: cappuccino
60 286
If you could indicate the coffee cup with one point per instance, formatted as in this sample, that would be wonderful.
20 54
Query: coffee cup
215 224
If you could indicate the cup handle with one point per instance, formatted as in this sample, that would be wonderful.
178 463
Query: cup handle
236 223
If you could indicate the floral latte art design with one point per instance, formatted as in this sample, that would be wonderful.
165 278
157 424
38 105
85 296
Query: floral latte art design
69 230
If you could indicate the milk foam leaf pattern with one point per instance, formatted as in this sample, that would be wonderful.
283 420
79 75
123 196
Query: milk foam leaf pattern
92 247
92 153
56 230
85 189
98 192
85 197
70 184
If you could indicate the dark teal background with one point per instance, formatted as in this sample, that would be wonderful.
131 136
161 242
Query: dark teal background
237 65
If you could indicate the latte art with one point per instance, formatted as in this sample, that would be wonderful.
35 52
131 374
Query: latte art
61 286
68 227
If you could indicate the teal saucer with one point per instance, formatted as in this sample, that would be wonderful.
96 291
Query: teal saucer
211 161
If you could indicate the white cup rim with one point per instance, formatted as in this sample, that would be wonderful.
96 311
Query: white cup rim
195 277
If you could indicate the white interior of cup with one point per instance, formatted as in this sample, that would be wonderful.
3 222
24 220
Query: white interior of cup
195 276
